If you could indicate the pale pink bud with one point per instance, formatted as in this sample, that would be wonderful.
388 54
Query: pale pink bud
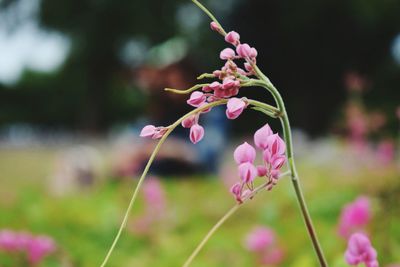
232 37
259 239
196 133
234 107
245 51
214 26
226 54
244 153
261 170
230 83
215 85
148 131
196 99
206 89
261 136
236 190
277 161
189 121
247 172
276 145
248 67
160 131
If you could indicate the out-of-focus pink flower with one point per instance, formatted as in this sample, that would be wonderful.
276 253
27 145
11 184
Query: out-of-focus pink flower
196 99
154 196
189 121
148 131
245 51
355 82
232 37
39 247
234 107
354 216
261 136
196 133
259 239
272 257
398 112
244 153
227 53
359 250
261 170
247 172
385 151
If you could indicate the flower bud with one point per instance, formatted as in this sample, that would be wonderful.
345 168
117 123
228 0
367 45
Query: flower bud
244 153
196 133
245 51
232 37
196 99
227 53
234 108
247 172
189 121
261 136
148 131
276 145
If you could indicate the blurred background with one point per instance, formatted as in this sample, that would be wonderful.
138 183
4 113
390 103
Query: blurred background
79 79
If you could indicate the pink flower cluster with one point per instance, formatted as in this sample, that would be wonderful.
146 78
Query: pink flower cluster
273 151
355 216
35 247
359 250
262 241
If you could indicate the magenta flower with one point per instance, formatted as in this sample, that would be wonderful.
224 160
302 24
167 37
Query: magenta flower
196 133
234 108
227 53
359 250
232 37
189 121
261 136
214 26
247 172
244 153
276 145
196 99
259 239
230 83
354 216
39 247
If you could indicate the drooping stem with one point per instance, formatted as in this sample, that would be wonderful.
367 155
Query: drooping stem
146 169
223 219
266 83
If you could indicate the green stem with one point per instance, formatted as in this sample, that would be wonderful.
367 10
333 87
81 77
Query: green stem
266 83
222 220
146 169
197 3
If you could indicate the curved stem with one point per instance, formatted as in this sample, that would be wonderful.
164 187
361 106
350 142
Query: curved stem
146 169
266 83
222 220
205 10
187 91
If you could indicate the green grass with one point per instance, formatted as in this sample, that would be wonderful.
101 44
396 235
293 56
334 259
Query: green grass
84 223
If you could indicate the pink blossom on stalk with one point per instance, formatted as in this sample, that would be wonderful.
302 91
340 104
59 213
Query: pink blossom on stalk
247 172
227 53
261 136
236 190
232 37
359 250
244 153
148 131
215 27
189 121
259 239
196 99
230 83
354 216
196 133
276 145
234 107
245 51
39 247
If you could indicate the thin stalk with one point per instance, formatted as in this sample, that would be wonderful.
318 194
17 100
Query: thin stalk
205 10
266 83
221 221
146 169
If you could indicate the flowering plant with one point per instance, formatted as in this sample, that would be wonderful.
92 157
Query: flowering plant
276 151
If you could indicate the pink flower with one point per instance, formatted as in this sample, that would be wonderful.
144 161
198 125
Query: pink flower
247 172
196 99
354 216
229 83
244 153
227 53
154 196
189 121
196 133
276 145
261 136
236 190
359 250
148 131
248 67
39 247
259 239
215 85
232 37
234 108
245 51
386 151
273 257
214 26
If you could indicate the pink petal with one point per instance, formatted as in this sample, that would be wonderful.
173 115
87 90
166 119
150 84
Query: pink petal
261 136
244 153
